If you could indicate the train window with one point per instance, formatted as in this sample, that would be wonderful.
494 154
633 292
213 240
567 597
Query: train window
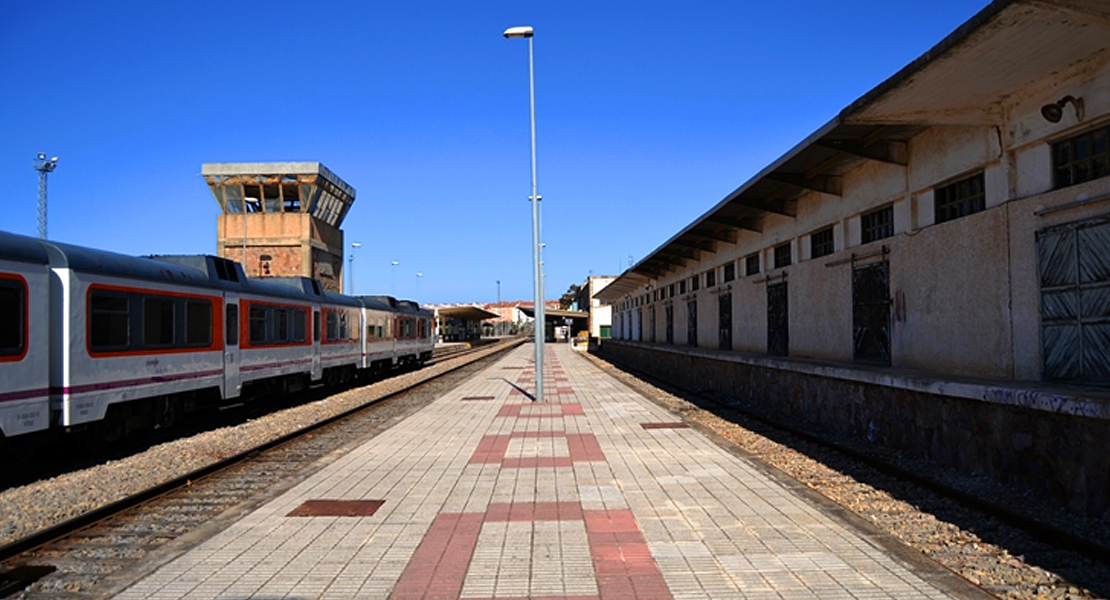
299 325
158 322
13 308
232 325
281 325
109 321
316 325
198 323
333 326
257 318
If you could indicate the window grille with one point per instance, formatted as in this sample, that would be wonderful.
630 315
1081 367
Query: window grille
728 273
877 225
1082 157
782 255
959 199
751 265
711 278
821 243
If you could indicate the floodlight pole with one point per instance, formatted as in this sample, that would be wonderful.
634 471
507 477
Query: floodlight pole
528 32
44 167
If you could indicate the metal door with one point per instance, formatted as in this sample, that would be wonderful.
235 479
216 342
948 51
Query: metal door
724 313
1074 268
233 384
669 310
778 334
692 322
871 313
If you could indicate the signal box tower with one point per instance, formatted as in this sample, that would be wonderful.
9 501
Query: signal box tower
281 219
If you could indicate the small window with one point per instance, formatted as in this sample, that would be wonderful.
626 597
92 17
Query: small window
711 278
877 225
782 255
257 317
281 325
751 265
672 290
158 322
198 323
695 283
728 273
13 310
1081 158
682 287
299 325
959 199
231 325
821 243
109 322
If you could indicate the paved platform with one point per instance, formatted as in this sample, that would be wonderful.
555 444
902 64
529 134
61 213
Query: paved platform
596 494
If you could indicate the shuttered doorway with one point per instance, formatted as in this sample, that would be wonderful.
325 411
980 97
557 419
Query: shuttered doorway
1074 269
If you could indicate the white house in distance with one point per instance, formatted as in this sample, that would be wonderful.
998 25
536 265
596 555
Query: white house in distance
600 314
946 236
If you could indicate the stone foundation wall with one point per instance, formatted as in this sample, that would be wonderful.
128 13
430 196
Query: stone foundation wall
1062 458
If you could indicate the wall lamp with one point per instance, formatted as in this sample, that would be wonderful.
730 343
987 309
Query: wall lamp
1054 112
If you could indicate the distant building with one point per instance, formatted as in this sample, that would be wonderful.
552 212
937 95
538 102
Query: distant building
601 313
281 219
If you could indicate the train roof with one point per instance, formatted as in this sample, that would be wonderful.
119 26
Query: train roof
103 262
22 248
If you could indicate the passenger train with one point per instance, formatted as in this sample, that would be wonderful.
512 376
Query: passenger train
90 338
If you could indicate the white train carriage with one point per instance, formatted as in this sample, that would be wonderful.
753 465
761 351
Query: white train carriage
378 345
24 335
336 330
127 329
415 341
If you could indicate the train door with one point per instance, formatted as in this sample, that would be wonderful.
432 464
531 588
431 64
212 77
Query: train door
317 366
232 383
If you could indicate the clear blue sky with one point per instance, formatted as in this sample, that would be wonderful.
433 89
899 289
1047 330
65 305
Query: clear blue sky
648 113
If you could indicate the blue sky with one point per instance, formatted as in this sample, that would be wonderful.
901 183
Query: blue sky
648 113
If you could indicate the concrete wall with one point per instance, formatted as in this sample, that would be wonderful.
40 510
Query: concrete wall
1056 449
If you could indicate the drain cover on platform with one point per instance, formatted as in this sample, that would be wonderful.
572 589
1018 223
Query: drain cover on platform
664 425
478 398
337 508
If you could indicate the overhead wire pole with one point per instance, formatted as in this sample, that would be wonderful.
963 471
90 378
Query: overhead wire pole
528 32
44 167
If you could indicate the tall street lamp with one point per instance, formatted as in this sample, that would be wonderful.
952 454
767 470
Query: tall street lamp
418 276
44 167
393 278
527 32
351 263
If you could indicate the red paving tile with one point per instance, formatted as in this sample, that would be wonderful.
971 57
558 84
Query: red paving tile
622 562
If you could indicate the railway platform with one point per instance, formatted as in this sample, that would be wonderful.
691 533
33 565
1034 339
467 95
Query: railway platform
596 493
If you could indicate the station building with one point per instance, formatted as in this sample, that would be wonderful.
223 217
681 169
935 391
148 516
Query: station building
281 218
600 322
937 256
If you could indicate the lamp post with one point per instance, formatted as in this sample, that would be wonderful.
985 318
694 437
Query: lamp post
393 278
351 265
44 167
528 32
418 276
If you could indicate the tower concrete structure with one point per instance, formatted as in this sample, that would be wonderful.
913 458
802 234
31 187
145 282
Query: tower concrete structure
281 218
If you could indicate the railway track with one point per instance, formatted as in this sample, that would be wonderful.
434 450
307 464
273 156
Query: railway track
977 535
100 551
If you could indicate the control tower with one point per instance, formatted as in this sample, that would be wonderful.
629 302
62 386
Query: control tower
281 218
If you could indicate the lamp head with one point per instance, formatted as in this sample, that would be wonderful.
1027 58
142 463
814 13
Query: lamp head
519 32
1055 111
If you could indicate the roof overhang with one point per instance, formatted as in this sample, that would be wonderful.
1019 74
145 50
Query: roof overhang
466 313
966 79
